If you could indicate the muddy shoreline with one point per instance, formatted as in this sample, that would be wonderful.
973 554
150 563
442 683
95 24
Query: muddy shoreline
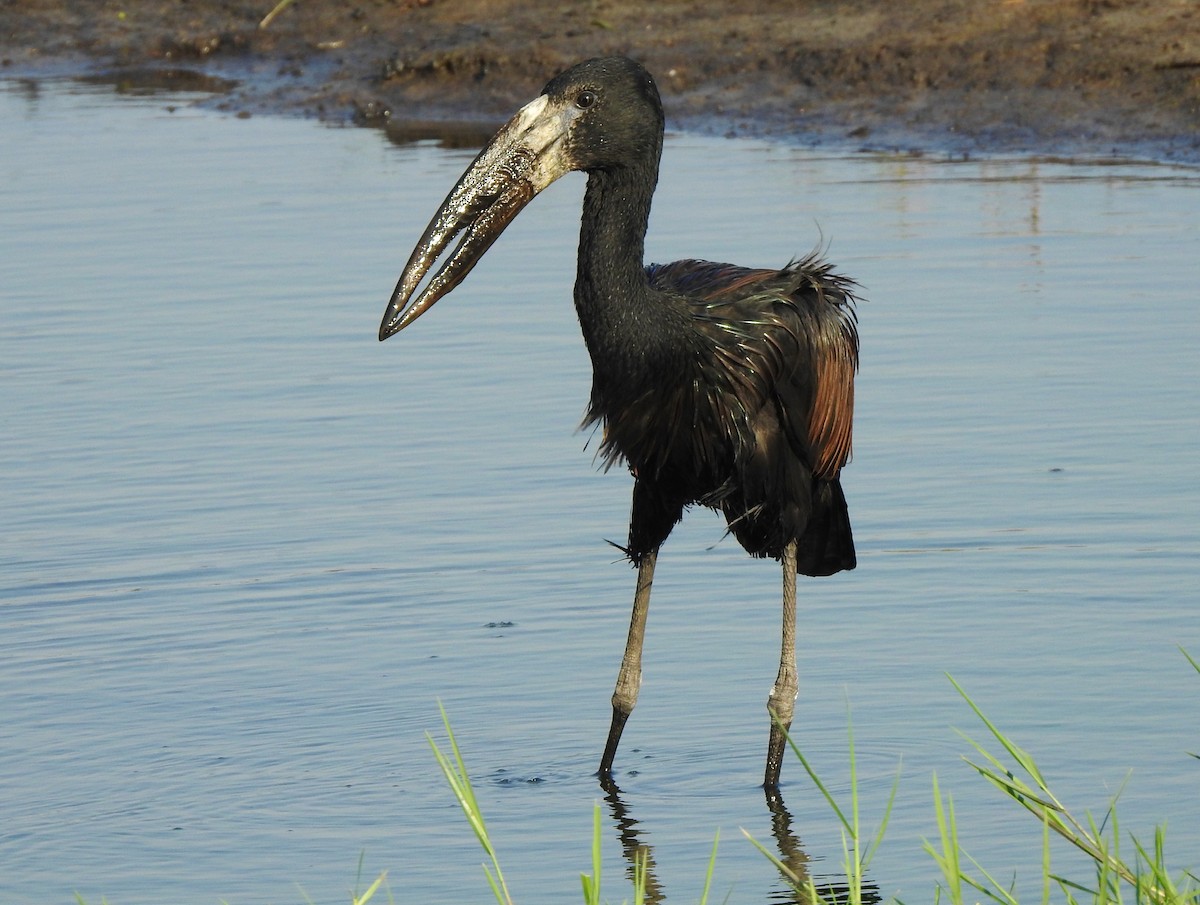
1070 77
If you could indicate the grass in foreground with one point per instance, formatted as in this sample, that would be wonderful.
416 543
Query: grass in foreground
1146 879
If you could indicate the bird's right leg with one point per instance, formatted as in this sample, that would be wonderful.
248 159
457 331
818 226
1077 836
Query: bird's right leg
781 703
629 679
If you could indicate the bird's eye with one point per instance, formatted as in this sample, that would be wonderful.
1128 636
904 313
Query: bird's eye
585 99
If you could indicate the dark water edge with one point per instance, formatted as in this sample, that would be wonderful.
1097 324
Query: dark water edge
255 87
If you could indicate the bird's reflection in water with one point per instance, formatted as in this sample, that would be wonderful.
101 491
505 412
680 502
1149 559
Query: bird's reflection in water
792 890
793 856
632 847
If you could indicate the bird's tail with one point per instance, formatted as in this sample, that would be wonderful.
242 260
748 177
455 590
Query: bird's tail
827 544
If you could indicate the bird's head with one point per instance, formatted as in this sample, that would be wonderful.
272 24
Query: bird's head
601 114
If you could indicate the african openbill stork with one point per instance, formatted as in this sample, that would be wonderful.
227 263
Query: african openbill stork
717 385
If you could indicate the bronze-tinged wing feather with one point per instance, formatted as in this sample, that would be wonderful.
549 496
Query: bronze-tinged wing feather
831 419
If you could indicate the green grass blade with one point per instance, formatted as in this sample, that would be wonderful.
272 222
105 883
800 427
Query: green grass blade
1191 659
877 840
708 875
947 856
591 884
641 861
370 891
802 885
1015 751
455 771
812 774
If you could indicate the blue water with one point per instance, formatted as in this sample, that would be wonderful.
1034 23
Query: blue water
247 549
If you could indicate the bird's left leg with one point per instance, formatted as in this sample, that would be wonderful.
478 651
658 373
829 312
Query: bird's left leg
781 703
629 679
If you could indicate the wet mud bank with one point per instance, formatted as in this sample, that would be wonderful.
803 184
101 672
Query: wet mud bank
1075 77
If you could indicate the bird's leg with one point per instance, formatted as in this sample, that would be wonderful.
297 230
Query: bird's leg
629 679
781 703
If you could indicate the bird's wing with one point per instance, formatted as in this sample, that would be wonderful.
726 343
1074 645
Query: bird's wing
790 335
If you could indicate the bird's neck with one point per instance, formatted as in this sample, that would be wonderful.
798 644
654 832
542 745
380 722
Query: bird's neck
612 296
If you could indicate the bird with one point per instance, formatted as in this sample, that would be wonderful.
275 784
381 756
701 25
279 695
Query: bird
716 385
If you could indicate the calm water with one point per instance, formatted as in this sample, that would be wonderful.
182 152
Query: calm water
246 548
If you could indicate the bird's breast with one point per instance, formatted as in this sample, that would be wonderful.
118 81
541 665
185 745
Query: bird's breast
671 428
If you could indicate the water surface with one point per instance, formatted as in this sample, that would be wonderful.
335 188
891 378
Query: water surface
247 548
